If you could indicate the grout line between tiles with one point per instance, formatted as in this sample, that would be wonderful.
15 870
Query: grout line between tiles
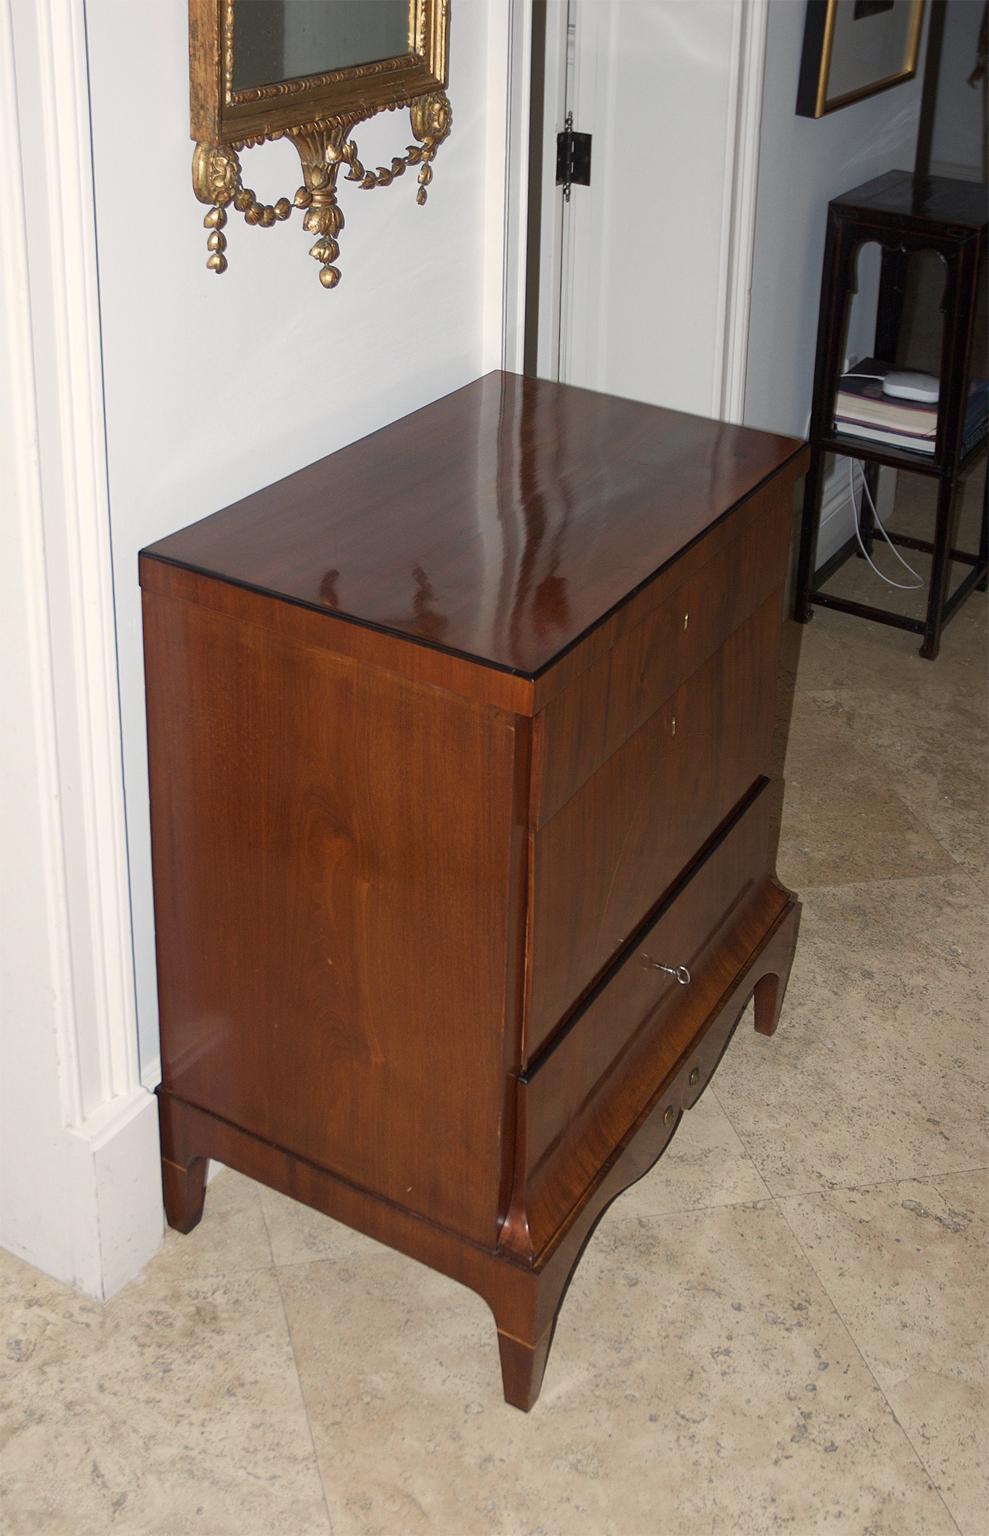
854 1342
972 881
900 1178
616 1210
691 1210
298 1374
957 867
851 885
913 1176
902 794
312 1258
741 1139
196 1278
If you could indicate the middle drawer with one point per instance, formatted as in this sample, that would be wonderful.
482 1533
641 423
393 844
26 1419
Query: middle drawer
618 843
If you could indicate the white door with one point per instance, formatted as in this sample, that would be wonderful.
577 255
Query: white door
645 272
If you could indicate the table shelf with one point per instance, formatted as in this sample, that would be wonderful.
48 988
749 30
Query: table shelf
904 214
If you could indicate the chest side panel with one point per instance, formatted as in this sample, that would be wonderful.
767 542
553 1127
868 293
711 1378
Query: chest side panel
333 886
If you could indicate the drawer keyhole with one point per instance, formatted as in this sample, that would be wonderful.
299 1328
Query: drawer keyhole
678 972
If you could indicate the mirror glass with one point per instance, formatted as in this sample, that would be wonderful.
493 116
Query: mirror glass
287 39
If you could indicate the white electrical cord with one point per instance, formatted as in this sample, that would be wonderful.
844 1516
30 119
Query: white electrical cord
904 586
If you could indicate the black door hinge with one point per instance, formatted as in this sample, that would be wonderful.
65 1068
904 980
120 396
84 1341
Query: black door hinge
573 158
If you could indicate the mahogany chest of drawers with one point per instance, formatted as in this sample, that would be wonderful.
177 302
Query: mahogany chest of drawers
459 743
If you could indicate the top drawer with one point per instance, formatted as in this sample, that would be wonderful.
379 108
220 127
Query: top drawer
585 724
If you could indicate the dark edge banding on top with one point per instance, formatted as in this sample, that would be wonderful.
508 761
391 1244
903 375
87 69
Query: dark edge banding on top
410 637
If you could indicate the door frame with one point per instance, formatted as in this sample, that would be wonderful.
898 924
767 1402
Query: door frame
740 184
516 180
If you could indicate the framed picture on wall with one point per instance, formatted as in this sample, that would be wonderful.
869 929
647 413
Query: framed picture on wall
855 48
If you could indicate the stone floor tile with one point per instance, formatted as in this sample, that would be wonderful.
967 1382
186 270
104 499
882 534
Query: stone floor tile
174 1410
914 513
839 652
842 819
41 1320
878 1068
299 1234
233 1239
700 1381
895 1256
913 950
932 754
705 1165
947 1420
971 1191
905 1265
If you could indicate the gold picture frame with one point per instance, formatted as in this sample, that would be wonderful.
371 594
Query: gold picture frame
317 112
856 48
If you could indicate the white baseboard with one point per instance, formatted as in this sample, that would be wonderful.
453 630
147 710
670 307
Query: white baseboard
100 1183
956 168
837 524
125 1170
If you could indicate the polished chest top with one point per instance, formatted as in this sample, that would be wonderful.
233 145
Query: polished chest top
500 523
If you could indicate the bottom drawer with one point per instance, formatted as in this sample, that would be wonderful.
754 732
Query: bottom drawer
581 1095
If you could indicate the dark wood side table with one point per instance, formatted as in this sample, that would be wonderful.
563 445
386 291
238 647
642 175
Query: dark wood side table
904 214
459 749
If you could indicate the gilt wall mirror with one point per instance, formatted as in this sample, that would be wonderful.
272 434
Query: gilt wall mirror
310 71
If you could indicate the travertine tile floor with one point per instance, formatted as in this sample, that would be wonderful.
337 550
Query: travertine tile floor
781 1329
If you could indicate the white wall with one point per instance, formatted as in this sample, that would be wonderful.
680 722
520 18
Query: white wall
803 163
218 385
956 146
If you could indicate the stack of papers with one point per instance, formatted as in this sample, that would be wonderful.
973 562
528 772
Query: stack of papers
862 410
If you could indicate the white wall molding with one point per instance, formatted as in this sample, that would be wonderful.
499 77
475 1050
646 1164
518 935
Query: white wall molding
81 1191
511 61
741 184
837 520
88 667
557 46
